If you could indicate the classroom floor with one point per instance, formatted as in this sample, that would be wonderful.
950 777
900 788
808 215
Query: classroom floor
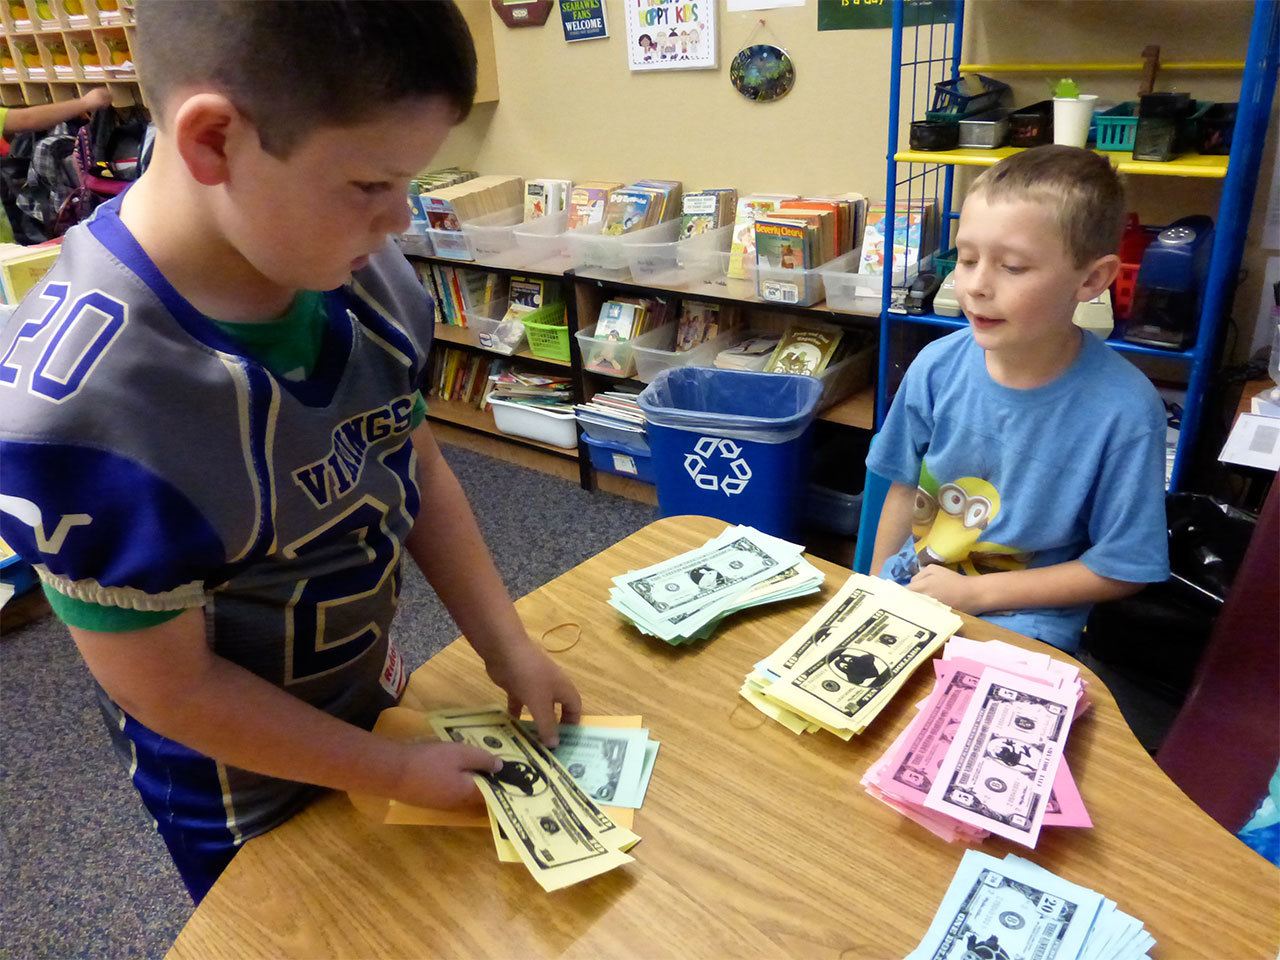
85 875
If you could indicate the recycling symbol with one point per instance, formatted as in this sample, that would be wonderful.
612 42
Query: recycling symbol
717 464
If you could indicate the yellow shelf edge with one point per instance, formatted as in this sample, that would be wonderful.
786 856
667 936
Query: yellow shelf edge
1189 165
1064 68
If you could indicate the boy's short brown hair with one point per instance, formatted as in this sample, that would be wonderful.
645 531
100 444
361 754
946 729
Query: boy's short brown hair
292 65
1084 192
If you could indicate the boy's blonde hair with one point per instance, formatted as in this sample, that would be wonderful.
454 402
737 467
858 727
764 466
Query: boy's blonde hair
1085 194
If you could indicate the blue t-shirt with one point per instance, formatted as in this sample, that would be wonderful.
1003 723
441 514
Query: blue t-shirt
1013 479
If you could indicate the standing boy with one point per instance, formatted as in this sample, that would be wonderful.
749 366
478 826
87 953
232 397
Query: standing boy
1027 458
213 439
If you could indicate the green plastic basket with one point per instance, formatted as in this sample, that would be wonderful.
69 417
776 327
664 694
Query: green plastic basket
547 338
1117 127
944 263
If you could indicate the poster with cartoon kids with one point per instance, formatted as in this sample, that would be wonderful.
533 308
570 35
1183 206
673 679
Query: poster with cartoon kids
671 34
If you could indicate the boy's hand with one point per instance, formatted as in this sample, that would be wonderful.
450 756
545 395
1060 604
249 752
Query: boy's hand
438 775
96 99
532 680
954 589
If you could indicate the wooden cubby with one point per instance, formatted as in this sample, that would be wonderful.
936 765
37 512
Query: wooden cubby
61 49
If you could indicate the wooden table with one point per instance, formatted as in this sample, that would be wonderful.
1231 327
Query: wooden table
757 843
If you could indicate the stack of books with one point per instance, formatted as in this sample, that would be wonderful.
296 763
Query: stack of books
446 208
587 202
742 250
700 322
751 354
528 389
460 291
644 203
705 210
621 321
543 197
613 415
799 235
459 376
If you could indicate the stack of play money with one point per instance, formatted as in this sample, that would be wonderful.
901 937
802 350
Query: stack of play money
1015 909
538 813
684 599
838 671
984 753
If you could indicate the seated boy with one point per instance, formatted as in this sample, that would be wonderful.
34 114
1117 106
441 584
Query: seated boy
1026 458
213 439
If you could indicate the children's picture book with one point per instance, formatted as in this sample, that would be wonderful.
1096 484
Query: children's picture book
805 349
705 210
587 202
700 322
914 231
542 197
671 34
742 250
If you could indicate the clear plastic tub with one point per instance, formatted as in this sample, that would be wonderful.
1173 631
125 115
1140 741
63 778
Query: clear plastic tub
543 243
485 238
801 288
601 429
415 242
719 284
486 322
851 292
614 358
558 428
846 377
591 251
676 263
658 355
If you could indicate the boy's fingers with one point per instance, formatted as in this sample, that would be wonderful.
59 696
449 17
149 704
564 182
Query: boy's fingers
544 715
514 705
482 761
570 705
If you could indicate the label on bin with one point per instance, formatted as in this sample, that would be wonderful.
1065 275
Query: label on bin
717 464
780 292
624 464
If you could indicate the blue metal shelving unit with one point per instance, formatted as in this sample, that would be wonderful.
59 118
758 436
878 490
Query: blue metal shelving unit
926 52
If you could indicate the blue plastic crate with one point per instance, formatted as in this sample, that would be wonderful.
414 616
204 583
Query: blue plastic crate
619 458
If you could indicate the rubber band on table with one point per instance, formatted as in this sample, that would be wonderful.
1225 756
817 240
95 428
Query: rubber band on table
733 722
562 647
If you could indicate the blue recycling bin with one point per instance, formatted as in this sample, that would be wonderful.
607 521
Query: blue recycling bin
732 444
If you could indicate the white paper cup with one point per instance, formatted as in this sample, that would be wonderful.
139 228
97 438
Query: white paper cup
1071 116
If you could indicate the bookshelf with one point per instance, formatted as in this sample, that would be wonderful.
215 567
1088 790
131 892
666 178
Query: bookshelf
584 294
56 50
924 53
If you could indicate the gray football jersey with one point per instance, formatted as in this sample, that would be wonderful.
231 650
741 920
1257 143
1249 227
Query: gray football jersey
150 463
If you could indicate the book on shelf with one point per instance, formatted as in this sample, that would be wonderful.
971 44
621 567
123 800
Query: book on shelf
460 291
915 236
527 294
742 249
750 354
642 204
700 322
587 202
543 196
457 376
447 208
806 349
705 210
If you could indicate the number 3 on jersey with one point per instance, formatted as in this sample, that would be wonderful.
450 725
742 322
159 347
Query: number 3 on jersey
309 652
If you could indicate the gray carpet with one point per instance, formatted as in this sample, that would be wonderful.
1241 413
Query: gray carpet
84 873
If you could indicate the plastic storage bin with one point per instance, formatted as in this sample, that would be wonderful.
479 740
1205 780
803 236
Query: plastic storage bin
619 458
484 238
853 292
415 242
634 437
659 353
985 130
846 377
1117 126
548 426
959 98
486 320
732 444
675 263
801 288
542 242
832 510
614 358
592 251
548 332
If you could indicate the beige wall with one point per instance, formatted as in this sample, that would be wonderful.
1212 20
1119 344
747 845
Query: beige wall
576 111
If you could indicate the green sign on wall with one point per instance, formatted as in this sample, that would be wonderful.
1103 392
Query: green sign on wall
878 14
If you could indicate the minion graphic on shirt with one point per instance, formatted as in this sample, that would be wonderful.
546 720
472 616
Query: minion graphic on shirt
948 522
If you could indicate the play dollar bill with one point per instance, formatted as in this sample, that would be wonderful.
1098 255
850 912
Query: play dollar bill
1000 769
606 762
560 835
680 596
1003 909
843 684
819 629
